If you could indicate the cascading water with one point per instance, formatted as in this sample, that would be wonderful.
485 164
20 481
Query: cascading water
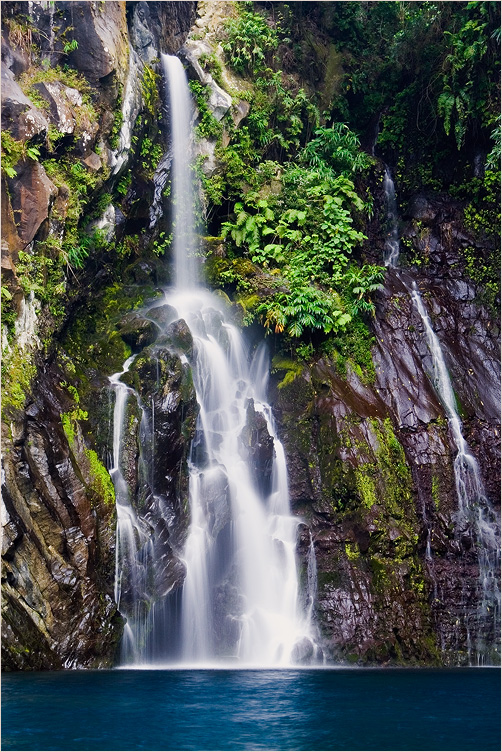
133 550
240 600
475 516
182 193
391 255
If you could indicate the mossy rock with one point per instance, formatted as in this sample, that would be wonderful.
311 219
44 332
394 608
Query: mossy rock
137 331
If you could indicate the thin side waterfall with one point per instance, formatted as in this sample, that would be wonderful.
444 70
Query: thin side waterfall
391 254
133 549
240 600
475 515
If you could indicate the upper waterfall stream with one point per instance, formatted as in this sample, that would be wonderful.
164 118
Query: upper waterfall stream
240 600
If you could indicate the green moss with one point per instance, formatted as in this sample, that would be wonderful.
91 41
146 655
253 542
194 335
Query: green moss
207 127
366 485
292 368
18 372
352 551
118 119
100 481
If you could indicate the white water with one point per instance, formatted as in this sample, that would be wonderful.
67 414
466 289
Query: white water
240 597
474 516
240 601
391 254
182 196
133 546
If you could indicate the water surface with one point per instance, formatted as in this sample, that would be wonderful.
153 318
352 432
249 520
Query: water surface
333 709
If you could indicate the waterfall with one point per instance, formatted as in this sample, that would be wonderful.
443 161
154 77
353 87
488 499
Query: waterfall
182 196
391 254
133 548
475 516
240 599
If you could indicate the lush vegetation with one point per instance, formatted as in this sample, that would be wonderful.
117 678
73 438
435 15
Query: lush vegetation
416 81
419 79
285 198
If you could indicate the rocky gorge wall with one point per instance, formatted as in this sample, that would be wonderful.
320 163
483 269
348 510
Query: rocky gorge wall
369 455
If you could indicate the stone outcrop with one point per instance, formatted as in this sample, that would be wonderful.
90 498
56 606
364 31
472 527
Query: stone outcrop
57 549
371 468
19 115
32 194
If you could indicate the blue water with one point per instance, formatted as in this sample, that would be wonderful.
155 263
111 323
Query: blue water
336 709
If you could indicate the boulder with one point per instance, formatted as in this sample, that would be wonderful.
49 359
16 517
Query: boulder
102 38
219 101
61 100
19 115
258 444
163 315
32 194
137 331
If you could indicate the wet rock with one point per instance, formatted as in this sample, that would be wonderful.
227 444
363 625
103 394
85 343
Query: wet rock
167 395
142 36
163 315
169 23
105 224
179 336
58 562
137 331
259 448
303 651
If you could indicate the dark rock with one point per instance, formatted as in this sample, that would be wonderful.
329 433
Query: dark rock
101 36
168 24
14 58
137 331
163 315
58 559
179 336
259 448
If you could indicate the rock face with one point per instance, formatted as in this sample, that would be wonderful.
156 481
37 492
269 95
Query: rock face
57 550
59 514
371 472
19 116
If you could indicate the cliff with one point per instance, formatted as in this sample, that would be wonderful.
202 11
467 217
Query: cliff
85 248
